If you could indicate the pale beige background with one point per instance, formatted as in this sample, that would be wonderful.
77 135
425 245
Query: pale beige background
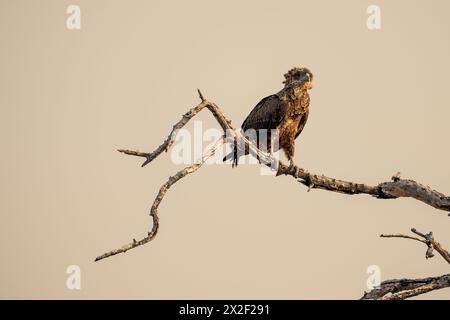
68 99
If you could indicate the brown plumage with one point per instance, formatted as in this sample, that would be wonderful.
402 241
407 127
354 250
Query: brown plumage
284 113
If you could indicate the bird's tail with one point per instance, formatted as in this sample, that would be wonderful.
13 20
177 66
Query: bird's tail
233 155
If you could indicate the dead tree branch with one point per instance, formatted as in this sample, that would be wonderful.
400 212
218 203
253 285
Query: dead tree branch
154 209
400 289
427 239
396 188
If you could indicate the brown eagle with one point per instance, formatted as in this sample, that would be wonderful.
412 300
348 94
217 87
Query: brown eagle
286 112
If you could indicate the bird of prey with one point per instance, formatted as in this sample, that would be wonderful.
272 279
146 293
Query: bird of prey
285 113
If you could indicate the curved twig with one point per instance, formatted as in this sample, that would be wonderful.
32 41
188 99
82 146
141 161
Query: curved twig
154 209
428 240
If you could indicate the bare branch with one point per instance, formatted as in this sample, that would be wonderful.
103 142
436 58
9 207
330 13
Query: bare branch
397 188
386 190
400 289
406 288
154 209
401 236
165 146
200 95
428 240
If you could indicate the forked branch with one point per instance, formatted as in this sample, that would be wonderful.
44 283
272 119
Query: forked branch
154 209
396 188
399 289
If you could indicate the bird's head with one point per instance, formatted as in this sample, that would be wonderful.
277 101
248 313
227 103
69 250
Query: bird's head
299 76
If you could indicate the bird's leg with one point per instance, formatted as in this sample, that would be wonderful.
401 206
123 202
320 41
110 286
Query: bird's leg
290 156
292 164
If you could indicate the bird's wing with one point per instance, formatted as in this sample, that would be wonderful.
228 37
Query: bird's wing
267 114
302 123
